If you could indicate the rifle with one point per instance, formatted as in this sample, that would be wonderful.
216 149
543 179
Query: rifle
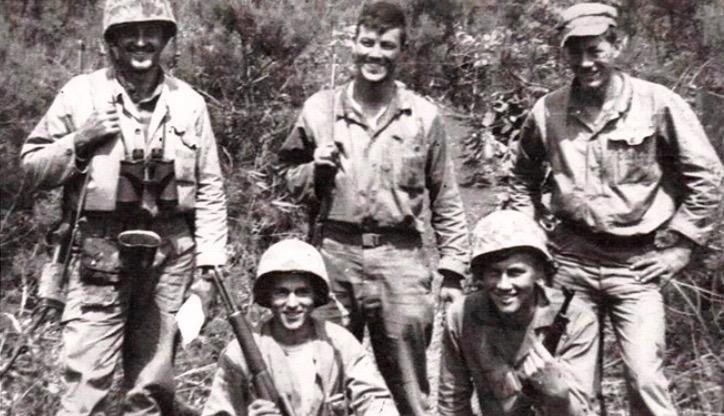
560 322
259 374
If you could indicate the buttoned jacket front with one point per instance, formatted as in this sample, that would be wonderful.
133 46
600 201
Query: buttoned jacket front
384 171
648 166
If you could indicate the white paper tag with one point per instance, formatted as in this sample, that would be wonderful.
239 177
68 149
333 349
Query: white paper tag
189 319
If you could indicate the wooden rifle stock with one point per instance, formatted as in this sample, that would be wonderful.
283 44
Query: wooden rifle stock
263 384
558 328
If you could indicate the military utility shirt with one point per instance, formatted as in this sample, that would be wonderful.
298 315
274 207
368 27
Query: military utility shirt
179 125
648 165
480 352
385 171
342 366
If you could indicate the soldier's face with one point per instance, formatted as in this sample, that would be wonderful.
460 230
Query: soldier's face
137 46
592 60
376 54
510 283
292 301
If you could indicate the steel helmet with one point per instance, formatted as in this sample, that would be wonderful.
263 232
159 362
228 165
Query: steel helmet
118 12
291 256
505 229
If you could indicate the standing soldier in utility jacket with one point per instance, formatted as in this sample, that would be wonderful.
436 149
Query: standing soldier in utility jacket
367 154
635 186
517 343
138 144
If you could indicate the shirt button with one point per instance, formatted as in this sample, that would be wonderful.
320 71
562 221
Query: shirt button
68 152
138 131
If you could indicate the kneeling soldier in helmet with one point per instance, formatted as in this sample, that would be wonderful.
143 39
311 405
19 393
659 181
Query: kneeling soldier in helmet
319 368
497 341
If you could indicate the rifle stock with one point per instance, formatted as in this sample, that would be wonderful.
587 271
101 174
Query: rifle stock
263 384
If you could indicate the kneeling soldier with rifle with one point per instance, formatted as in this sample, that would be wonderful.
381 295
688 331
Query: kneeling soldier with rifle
525 348
315 367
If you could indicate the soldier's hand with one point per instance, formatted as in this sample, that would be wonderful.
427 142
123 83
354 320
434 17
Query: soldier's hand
544 373
326 162
662 264
261 407
100 127
451 287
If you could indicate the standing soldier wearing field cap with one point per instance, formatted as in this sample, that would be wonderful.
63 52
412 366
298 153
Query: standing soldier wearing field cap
134 150
371 154
635 186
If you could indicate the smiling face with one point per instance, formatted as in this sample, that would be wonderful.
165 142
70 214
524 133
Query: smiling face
592 60
137 47
510 282
376 54
291 303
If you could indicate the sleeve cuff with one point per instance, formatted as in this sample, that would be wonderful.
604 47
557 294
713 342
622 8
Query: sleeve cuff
696 235
454 265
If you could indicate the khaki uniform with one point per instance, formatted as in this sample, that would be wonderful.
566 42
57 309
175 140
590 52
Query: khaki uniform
130 316
618 189
481 354
342 364
390 174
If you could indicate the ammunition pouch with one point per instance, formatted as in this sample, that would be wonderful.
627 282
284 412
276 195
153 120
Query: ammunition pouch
99 261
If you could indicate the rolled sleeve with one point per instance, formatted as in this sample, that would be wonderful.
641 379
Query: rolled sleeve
447 213
699 168
210 210
456 386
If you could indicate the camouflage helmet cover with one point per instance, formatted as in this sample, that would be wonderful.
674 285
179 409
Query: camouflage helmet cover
291 255
118 12
506 229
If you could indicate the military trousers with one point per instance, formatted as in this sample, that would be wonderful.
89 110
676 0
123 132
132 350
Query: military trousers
382 280
130 322
601 277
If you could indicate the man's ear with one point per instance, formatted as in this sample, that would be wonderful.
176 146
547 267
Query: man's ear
620 45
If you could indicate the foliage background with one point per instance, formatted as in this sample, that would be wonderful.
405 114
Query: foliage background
255 62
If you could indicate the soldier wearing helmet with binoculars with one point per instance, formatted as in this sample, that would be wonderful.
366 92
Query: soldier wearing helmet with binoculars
133 148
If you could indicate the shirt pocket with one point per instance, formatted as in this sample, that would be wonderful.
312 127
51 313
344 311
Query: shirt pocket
633 155
186 147
410 172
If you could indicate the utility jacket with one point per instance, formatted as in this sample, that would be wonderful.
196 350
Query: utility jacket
481 353
649 166
343 366
179 125
385 171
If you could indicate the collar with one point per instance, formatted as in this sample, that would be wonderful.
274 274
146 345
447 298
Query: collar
347 108
619 106
123 91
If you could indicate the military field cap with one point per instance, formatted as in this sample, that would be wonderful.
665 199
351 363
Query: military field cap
586 19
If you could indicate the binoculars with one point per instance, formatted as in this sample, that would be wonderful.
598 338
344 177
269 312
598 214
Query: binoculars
155 175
